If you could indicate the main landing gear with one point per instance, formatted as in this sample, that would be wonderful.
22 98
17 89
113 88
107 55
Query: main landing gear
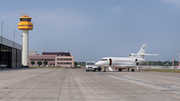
120 69
132 70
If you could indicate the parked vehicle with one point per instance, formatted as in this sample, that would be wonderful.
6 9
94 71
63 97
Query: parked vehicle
90 66
3 65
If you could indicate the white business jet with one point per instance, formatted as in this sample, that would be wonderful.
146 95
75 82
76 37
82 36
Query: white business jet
133 61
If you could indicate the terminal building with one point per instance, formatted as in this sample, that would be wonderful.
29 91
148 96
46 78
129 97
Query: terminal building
10 53
57 59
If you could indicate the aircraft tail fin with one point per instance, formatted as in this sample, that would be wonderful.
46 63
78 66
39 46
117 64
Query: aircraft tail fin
141 52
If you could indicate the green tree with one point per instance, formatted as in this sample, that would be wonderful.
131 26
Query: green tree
45 62
39 63
32 62
75 64
81 63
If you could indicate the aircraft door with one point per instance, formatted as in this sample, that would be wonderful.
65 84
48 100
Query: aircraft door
110 62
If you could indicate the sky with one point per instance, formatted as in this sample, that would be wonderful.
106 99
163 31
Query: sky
93 29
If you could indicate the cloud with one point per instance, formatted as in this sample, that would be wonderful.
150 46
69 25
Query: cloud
176 2
117 10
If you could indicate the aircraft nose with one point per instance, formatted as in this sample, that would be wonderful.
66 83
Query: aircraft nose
101 63
97 63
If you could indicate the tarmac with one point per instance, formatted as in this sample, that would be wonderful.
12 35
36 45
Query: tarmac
45 84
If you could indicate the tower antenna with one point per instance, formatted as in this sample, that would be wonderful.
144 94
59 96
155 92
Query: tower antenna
21 11
43 49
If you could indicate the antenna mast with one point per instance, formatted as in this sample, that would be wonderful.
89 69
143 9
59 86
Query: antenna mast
21 11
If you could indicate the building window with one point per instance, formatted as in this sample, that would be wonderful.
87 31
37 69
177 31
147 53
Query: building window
25 19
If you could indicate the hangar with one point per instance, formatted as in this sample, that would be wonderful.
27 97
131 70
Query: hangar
10 53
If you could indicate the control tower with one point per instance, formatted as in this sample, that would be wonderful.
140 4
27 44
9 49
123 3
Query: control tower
25 24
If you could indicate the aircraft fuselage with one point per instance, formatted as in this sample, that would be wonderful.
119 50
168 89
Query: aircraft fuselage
120 62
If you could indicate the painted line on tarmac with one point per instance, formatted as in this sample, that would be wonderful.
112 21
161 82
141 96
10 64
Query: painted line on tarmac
170 88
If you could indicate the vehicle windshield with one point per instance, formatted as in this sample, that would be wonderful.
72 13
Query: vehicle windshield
89 63
104 60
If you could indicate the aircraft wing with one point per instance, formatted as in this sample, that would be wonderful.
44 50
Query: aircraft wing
150 54
145 54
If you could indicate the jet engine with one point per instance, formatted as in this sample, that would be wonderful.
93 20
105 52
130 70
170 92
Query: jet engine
139 60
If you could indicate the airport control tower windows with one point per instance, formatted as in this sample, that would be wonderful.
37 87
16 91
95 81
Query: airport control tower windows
25 19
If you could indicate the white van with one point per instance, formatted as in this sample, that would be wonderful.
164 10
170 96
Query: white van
90 66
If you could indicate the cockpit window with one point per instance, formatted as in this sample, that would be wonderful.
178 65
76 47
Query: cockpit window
104 60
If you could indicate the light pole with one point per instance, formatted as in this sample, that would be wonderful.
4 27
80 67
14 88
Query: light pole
173 55
14 35
2 29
